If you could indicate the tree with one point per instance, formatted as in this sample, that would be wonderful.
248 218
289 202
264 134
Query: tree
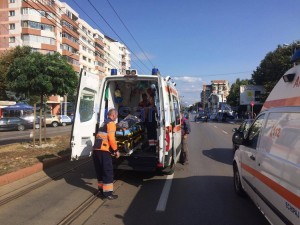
6 59
233 99
42 75
272 67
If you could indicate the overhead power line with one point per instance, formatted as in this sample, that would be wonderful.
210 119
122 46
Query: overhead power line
216 74
117 34
100 29
130 33
59 25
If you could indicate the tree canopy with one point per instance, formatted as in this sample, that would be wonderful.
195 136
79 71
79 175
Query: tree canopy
42 75
267 74
272 67
233 98
6 60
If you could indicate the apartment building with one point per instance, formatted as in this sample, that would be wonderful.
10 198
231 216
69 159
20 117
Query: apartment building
49 26
205 93
220 88
117 56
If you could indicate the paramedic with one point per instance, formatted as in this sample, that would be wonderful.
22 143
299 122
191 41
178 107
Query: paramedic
143 107
104 148
185 130
148 114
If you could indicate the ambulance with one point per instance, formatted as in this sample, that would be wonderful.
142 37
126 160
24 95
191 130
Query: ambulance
266 165
96 95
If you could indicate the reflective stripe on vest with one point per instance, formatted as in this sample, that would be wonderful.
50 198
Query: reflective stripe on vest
105 141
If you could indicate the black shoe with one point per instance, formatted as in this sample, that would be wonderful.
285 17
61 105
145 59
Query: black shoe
112 197
100 193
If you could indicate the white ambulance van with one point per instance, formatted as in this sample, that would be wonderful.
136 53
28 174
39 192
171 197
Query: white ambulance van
96 95
267 164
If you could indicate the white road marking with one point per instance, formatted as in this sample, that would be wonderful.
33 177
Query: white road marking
161 206
215 126
224 132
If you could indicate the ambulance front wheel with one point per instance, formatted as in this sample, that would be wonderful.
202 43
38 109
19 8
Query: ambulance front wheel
238 188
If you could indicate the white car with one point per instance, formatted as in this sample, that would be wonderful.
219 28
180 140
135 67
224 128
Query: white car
64 120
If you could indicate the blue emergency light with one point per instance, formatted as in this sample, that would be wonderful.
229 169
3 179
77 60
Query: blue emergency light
296 56
114 72
155 71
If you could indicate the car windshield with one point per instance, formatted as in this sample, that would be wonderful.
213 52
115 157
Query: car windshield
245 125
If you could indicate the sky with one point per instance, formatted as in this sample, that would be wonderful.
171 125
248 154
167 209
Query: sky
195 41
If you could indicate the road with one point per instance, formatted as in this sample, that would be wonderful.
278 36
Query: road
10 137
198 193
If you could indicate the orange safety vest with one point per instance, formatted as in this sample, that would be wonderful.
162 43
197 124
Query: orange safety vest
106 137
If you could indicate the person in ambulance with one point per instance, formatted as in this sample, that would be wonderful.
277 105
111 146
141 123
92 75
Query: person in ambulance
104 149
148 115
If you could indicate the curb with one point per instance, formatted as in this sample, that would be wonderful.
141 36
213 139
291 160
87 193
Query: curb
25 172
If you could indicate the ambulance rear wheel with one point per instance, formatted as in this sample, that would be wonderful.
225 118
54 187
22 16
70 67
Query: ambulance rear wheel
171 168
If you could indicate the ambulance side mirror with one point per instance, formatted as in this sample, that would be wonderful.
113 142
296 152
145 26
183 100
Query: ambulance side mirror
238 138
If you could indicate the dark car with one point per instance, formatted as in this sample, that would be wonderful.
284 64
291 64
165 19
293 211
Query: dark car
201 116
243 128
15 123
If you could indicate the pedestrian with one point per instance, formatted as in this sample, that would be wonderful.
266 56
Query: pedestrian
104 149
185 130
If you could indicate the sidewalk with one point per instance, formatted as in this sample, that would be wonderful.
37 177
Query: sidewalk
22 173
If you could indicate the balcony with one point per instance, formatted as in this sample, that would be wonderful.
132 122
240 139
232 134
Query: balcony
70 21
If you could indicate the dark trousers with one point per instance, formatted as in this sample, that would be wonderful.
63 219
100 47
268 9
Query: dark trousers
104 171
184 150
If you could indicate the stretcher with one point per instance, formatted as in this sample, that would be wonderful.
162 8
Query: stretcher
131 139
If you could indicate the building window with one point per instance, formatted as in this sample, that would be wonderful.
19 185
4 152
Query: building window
38 39
12 13
12 26
36 25
12 39
12 1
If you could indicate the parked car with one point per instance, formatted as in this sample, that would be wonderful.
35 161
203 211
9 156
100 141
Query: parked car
201 116
243 128
64 120
15 123
51 120
213 116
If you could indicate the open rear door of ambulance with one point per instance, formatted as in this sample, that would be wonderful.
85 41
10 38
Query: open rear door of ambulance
86 114
162 121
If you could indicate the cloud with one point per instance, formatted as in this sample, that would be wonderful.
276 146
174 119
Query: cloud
189 88
188 79
142 56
